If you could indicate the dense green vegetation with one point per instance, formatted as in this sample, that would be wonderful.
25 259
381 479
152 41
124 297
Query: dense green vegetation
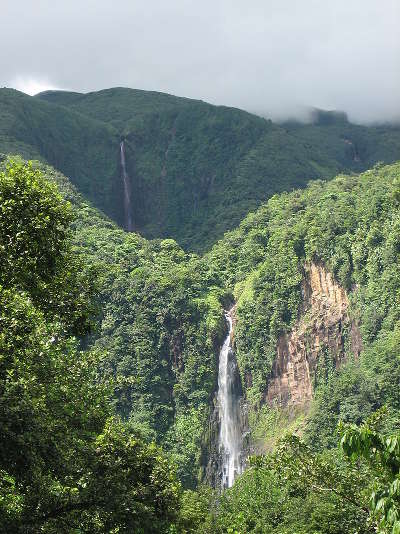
354 489
196 170
67 464
350 224
160 323
109 346
86 150
382 457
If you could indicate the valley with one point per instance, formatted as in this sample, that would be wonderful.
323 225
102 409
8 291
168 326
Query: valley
220 293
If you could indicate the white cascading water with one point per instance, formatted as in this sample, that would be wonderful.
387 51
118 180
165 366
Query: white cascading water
127 190
230 438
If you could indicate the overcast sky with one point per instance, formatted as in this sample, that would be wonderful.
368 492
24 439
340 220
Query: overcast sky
268 56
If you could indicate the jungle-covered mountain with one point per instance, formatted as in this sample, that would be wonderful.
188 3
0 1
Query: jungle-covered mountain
98 323
195 169
110 340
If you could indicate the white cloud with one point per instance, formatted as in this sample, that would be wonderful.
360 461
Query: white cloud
270 56
30 86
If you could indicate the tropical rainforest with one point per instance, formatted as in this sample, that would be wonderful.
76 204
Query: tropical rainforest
110 340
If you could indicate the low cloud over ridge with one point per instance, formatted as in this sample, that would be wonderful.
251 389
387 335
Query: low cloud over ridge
273 57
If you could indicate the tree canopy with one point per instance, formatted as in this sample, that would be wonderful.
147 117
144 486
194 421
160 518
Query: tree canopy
66 462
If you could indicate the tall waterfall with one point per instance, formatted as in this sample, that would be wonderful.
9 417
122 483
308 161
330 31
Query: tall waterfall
230 438
127 190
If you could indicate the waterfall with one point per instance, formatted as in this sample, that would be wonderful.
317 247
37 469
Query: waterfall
127 190
230 437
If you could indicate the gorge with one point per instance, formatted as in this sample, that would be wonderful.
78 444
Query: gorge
312 340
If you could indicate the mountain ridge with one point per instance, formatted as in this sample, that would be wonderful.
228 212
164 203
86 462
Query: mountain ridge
195 169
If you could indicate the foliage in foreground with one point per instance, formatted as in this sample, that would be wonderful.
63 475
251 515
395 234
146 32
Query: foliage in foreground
382 455
353 489
66 463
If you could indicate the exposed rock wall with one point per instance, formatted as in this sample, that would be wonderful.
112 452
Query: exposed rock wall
323 327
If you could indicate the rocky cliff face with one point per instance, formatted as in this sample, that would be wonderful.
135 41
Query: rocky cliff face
320 337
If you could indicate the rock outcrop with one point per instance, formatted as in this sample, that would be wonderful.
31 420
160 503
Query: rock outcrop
323 330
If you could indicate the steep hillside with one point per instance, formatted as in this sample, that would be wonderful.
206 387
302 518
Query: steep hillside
160 325
67 462
195 170
84 149
364 145
314 279
323 331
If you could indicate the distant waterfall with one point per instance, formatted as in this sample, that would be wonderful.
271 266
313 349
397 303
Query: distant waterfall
127 190
230 438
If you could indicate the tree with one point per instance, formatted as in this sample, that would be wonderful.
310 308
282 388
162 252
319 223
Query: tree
382 454
66 463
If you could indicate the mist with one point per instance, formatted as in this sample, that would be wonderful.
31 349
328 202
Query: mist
274 58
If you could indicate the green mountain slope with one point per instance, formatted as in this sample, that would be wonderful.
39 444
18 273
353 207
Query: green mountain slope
195 169
162 309
164 321
121 107
161 325
84 149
